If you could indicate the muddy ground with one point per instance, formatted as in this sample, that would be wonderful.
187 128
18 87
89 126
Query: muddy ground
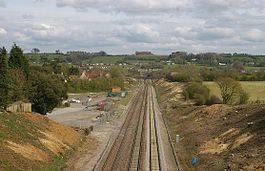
221 137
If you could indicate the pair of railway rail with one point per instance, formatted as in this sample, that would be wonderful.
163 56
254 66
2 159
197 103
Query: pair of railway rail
138 145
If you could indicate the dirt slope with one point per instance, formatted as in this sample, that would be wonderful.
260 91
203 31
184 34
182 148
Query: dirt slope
29 141
220 136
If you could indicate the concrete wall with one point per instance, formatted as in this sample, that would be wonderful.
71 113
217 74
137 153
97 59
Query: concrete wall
20 107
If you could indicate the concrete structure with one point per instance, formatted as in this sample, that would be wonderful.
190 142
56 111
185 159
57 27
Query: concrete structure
19 107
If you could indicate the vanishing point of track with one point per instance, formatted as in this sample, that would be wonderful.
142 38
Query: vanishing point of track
138 146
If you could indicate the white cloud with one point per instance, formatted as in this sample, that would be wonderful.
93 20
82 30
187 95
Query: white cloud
124 26
48 33
21 37
213 33
2 31
165 6
255 35
204 33
137 33
126 5
186 32
225 3
2 3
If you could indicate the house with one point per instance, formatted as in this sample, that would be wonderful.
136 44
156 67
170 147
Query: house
222 64
92 74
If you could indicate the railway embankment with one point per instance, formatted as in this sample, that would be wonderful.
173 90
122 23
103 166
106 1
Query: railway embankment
216 137
30 141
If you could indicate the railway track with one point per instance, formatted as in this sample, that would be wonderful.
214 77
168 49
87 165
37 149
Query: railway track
155 160
139 145
121 151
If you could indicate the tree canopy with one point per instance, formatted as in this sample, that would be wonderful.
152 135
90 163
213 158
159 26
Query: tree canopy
17 60
20 82
46 92
4 78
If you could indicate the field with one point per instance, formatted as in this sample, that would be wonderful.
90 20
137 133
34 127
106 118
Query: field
254 68
256 89
128 59
105 59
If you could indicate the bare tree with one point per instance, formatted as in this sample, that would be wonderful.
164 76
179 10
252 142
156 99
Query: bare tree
229 88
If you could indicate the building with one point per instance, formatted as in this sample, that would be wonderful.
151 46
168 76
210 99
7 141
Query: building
92 74
222 64
116 89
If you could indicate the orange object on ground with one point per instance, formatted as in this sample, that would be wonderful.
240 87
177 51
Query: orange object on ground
116 90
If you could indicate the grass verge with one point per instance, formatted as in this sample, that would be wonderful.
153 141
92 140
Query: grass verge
255 89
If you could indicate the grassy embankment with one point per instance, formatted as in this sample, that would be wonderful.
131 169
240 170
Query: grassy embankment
29 141
255 89
222 137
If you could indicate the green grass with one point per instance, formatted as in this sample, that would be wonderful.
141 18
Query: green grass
16 127
105 59
19 129
255 89
146 57
168 68
58 164
250 68
125 101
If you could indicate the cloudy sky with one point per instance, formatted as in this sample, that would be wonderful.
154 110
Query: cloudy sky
124 26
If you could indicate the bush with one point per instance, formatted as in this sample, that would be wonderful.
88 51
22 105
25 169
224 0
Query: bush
198 92
229 88
213 100
67 104
186 73
200 99
243 97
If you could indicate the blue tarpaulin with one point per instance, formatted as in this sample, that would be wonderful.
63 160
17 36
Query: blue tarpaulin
194 160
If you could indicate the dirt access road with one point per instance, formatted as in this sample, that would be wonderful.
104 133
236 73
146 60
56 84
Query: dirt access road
143 142
75 116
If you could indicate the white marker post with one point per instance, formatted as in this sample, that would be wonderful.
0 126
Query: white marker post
177 138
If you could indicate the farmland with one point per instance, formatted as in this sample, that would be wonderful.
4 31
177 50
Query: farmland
255 89
104 59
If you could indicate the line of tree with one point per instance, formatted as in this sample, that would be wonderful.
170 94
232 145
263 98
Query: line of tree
213 59
187 73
